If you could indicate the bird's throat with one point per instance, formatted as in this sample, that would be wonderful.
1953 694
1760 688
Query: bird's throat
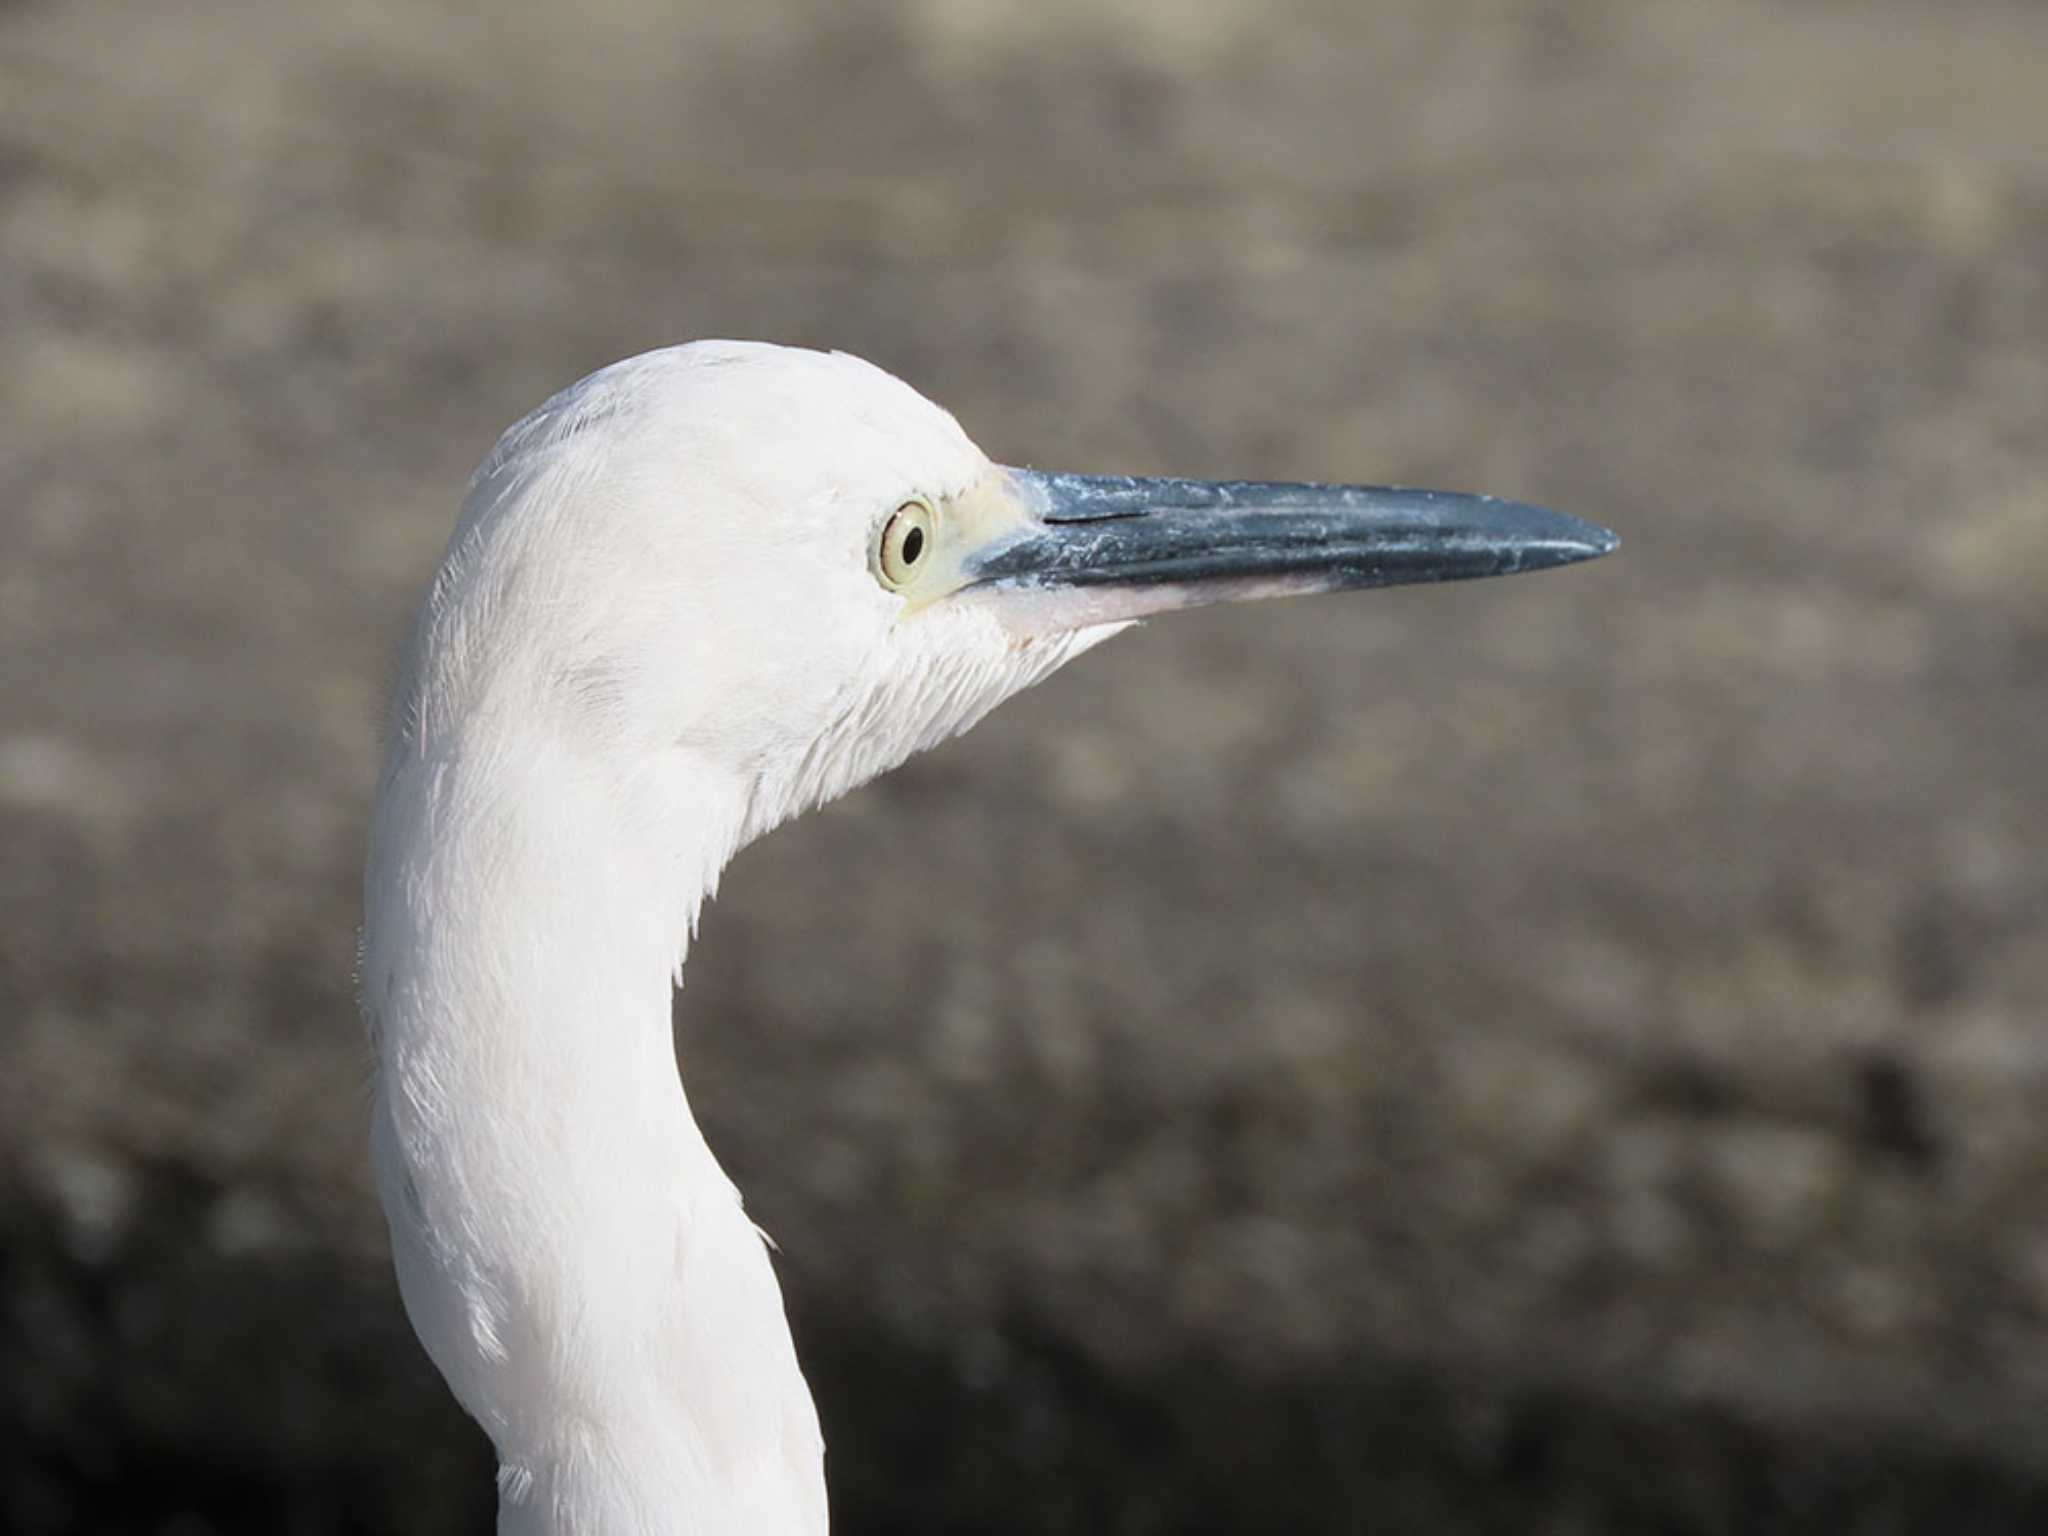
570 1253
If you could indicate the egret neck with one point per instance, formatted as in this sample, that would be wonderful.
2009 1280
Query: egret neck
575 1260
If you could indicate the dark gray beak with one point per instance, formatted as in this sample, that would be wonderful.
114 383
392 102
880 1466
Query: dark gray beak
1192 541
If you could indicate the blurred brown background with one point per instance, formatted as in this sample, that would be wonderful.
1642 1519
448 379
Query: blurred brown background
1554 1056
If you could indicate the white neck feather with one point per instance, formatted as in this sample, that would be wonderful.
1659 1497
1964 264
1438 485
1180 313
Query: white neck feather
570 1252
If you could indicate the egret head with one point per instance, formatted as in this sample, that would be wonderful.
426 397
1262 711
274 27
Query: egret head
795 571
688 597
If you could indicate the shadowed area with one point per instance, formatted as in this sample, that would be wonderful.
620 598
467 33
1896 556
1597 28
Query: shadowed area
1557 1055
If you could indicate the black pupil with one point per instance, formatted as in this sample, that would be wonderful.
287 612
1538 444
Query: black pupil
913 545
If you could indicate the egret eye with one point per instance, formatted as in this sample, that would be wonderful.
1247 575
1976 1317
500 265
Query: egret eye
906 545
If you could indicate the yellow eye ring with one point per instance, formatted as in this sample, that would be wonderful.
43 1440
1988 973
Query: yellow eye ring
905 548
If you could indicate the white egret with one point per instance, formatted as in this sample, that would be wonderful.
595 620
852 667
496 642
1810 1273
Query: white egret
689 597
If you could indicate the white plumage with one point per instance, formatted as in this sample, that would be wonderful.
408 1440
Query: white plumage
671 617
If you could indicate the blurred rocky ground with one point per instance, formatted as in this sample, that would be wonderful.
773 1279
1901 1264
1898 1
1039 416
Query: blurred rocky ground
1556 1056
